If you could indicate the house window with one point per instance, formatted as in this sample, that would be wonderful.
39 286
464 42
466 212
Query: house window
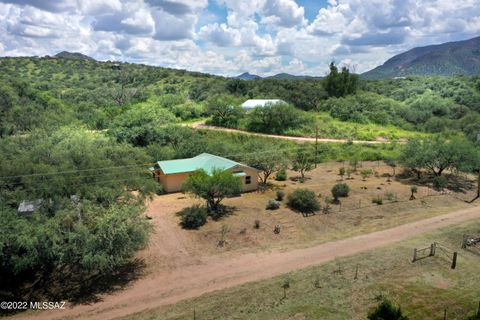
248 180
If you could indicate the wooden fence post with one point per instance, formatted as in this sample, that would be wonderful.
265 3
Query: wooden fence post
414 255
445 314
356 272
454 260
433 247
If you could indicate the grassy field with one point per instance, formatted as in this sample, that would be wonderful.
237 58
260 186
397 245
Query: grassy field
329 127
330 291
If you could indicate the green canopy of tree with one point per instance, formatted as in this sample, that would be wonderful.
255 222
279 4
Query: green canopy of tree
339 84
225 111
275 118
438 154
213 187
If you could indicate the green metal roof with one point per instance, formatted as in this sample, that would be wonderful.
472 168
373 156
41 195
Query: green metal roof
203 161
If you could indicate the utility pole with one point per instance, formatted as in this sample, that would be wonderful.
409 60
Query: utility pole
316 144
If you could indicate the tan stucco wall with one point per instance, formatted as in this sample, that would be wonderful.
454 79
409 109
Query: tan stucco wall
253 177
173 182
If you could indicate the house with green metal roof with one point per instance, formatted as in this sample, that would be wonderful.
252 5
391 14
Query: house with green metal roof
172 173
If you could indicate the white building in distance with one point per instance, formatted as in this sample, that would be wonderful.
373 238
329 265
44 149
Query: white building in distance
252 103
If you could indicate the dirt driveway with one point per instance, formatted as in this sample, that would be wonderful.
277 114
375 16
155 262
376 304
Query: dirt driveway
191 277
201 125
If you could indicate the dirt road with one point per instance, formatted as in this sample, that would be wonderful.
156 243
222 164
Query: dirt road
192 280
201 125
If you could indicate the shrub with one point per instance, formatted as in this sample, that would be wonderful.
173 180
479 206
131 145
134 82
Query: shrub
281 175
256 225
349 173
340 190
273 204
303 200
378 200
193 217
366 173
280 195
414 190
390 196
386 310
439 183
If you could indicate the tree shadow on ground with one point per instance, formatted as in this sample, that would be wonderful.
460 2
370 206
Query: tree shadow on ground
74 286
82 289
222 213
456 183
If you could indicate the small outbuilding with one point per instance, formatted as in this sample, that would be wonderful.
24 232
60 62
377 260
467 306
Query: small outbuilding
172 173
28 207
253 103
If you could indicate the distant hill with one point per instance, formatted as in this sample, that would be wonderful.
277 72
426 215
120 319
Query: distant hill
247 76
73 55
279 76
288 76
447 59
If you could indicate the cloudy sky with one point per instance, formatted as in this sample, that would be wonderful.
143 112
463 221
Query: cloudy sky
228 37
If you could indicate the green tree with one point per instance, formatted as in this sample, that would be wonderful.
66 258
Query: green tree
225 111
437 154
303 200
267 161
340 190
213 187
275 118
237 87
339 84
303 161
412 156
392 163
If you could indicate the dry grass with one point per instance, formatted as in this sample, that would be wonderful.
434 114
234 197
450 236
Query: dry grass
356 214
330 291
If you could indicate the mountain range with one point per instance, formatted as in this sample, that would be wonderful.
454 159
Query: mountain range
279 76
447 59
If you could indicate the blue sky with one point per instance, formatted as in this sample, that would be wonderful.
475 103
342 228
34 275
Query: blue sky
228 37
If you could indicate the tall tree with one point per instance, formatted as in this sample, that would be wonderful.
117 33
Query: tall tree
268 161
303 160
339 84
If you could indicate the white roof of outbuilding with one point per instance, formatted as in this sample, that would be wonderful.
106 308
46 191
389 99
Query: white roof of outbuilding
252 103
27 206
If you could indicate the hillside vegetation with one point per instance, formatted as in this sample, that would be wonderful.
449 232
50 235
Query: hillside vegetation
447 59
104 95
